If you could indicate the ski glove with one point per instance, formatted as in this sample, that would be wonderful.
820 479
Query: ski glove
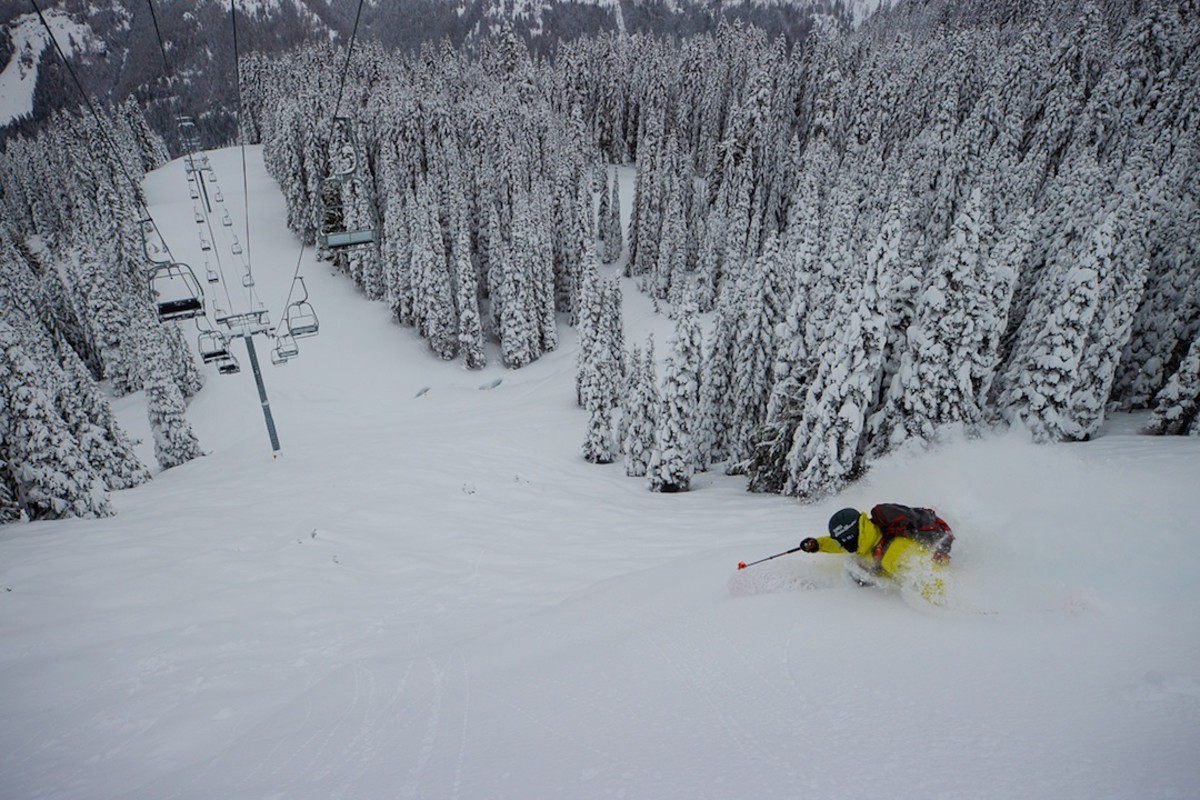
809 545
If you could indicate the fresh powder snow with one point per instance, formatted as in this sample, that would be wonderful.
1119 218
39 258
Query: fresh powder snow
430 594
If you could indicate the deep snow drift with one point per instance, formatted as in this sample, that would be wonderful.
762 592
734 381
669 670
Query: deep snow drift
431 595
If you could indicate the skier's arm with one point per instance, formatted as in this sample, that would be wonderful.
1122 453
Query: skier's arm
821 544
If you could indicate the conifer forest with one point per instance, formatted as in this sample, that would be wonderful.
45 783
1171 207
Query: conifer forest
956 217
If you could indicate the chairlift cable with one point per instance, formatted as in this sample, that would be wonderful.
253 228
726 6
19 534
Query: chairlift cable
188 150
161 47
237 83
137 192
212 237
332 127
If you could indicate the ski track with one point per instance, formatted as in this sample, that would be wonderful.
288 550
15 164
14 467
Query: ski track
466 725
688 661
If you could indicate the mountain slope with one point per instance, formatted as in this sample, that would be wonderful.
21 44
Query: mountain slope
431 594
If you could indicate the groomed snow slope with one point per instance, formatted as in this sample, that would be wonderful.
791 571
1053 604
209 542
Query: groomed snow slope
431 595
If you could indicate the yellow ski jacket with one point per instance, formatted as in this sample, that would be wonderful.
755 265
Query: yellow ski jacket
904 560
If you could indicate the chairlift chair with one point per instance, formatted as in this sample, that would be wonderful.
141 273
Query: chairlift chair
285 348
194 192
229 365
176 291
211 274
204 245
151 249
217 196
187 129
248 280
335 234
299 317
302 320
213 346
226 220
199 216
236 247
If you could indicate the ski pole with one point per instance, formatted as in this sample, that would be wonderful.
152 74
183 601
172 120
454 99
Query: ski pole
743 564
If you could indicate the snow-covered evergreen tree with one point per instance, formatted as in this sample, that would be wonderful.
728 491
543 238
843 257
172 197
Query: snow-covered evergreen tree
601 367
52 476
673 460
1177 411
91 421
10 509
936 384
640 409
827 447
793 372
470 327
613 239
1041 395
603 215
174 441
1120 294
715 420
756 349
518 331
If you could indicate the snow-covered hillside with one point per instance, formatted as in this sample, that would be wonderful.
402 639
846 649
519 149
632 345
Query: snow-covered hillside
431 595
18 80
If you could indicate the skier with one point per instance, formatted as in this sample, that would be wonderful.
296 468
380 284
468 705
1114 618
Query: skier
909 546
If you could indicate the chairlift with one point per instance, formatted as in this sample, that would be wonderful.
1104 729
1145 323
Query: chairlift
285 348
199 216
299 317
213 346
212 176
150 248
248 280
187 129
336 233
211 274
194 192
217 196
204 244
176 291
226 220
256 318
229 365
236 247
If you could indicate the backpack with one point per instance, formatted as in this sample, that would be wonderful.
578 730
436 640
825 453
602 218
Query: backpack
920 524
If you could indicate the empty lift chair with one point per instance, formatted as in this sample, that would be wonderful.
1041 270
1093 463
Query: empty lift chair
285 349
343 227
300 319
213 346
176 292
153 247
229 365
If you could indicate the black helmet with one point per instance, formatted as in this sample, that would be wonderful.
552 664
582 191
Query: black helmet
843 527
